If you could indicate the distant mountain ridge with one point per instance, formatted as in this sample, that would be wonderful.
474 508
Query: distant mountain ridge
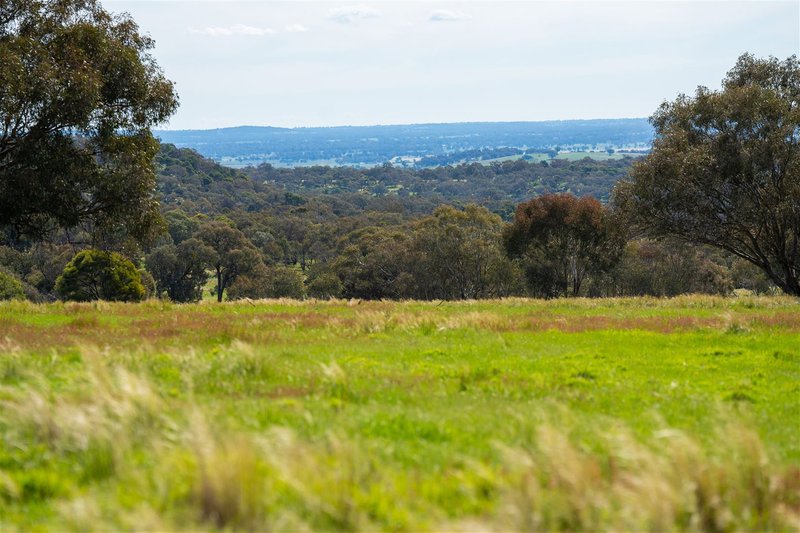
404 145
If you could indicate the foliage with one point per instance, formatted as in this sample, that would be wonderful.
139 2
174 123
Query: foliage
325 286
38 267
669 268
372 264
456 254
180 226
339 204
268 282
233 254
100 275
562 240
725 169
149 284
451 254
10 287
79 91
286 282
495 185
180 271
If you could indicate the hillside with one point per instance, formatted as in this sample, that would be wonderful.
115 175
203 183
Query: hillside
190 181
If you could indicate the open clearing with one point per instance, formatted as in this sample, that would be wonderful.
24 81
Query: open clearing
513 414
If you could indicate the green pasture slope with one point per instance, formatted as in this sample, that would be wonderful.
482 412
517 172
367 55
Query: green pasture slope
631 414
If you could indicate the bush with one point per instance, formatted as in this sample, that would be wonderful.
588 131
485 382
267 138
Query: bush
669 268
254 285
10 287
149 283
99 275
268 282
286 282
326 286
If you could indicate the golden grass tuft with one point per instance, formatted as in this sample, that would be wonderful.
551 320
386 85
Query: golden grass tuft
667 484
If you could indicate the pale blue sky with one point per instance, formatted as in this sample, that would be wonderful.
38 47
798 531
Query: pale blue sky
386 62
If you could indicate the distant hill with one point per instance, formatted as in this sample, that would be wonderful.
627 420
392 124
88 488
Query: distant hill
407 145
197 185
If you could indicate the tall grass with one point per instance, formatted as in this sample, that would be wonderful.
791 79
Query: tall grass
494 416
117 456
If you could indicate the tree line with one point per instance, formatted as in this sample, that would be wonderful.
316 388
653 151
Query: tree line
556 245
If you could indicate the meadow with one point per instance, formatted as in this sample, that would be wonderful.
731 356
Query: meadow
623 414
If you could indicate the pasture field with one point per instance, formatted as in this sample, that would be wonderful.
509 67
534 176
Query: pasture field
622 414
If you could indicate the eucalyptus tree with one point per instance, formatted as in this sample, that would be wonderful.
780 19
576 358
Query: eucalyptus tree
725 169
79 93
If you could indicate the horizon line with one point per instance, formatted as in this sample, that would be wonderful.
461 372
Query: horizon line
466 122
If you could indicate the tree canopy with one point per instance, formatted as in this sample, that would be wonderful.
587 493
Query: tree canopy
562 239
725 169
232 254
79 92
100 275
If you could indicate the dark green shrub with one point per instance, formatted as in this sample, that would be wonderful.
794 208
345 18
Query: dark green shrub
99 275
268 282
325 286
10 287
286 282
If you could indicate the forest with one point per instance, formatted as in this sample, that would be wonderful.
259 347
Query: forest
384 232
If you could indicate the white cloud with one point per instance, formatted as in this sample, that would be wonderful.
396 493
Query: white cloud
350 14
295 28
445 15
227 31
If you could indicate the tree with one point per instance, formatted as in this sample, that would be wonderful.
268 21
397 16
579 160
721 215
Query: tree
99 275
234 255
562 240
286 282
725 169
79 92
325 286
180 226
38 267
457 254
268 282
668 268
180 271
372 264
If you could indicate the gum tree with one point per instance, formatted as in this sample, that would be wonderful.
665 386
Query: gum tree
725 169
79 92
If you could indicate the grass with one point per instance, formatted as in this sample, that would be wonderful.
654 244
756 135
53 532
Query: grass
570 156
518 414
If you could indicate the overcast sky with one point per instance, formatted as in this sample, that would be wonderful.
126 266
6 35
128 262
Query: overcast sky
387 62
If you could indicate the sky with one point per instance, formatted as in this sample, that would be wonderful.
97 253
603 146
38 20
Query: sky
301 63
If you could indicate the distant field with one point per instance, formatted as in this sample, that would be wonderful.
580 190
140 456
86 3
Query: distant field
569 156
601 156
536 157
627 414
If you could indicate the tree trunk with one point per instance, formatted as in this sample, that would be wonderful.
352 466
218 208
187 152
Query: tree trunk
220 288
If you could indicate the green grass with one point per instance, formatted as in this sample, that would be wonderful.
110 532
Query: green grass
601 156
570 156
514 414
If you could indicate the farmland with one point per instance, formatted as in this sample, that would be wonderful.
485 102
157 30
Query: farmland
508 414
